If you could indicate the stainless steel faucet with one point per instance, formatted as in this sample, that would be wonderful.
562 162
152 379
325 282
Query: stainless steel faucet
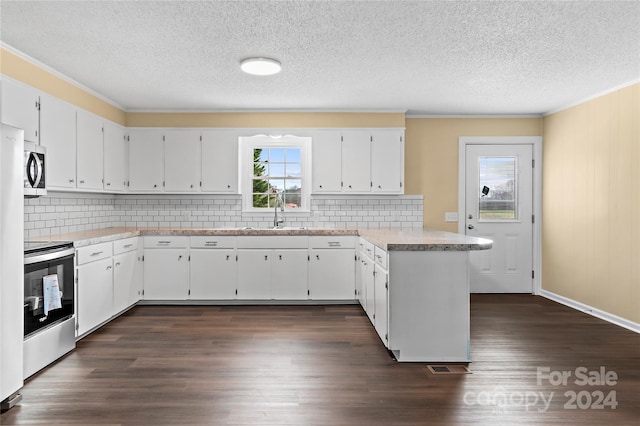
278 220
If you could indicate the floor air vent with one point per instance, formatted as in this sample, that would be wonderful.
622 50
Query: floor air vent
448 369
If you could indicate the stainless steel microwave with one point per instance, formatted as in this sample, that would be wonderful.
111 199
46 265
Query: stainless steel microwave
34 170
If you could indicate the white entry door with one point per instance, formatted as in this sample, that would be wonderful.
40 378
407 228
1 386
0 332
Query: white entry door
499 206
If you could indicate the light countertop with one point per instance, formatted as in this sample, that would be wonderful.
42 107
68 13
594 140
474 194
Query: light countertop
387 239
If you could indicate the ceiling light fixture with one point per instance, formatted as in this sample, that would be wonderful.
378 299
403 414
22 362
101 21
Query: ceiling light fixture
260 66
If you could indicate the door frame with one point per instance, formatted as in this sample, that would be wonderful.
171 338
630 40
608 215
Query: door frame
536 143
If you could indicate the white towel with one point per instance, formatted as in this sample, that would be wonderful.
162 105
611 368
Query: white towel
51 293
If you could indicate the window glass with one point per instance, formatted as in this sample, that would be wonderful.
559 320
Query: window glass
498 188
277 170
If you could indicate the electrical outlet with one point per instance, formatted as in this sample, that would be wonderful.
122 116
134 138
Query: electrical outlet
451 217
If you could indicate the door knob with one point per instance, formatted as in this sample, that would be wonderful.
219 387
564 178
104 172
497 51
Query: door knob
469 226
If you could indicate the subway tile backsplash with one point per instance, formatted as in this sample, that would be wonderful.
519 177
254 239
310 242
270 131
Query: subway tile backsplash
62 212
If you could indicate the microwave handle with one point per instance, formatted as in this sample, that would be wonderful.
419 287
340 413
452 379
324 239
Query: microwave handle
37 170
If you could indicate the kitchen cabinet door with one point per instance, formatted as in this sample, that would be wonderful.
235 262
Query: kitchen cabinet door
327 161
116 158
213 274
166 274
289 274
95 294
381 317
125 288
356 161
20 107
89 151
331 274
146 160
361 289
369 285
254 274
182 160
220 161
58 135
387 161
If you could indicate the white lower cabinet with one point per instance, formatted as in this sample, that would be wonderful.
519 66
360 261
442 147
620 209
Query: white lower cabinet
94 287
213 272
381 292
166 268
332 268
273 267
289 274
127 277
254 274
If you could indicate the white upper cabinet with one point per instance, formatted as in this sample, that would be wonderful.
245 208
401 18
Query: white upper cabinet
20 108
387 161
146 160
356 160
58 135
220 161
115 157
182 160
89 152
327 161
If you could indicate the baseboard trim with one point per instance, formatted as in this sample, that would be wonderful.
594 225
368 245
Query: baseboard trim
603 315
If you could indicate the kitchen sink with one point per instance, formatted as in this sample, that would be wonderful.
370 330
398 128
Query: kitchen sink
280 228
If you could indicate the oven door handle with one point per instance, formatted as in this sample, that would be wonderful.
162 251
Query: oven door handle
48 256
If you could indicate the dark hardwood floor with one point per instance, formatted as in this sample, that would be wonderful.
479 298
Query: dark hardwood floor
324 365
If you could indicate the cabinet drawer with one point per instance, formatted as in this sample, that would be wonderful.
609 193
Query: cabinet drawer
166 242
366 248
94 252
271 242
328 242
213 241
125 245
380 257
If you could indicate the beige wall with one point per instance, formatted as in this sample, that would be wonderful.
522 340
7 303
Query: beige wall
20 69
591 203
431 158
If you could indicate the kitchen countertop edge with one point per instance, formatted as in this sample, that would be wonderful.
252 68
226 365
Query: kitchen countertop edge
387 239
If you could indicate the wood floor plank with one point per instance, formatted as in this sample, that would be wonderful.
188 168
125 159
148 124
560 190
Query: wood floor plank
318 365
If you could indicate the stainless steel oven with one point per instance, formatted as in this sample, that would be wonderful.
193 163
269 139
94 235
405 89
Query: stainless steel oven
49 303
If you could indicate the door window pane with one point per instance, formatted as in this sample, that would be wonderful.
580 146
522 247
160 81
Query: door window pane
498 188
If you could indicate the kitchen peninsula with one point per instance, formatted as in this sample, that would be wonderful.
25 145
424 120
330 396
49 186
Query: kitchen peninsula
412 283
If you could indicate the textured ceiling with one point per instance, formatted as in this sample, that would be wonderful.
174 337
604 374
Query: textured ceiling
425 57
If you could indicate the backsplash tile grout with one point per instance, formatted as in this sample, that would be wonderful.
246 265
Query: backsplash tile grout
61 212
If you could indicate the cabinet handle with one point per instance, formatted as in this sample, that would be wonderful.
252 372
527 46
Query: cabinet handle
96 253
128 245
349 186
108 267
378 256
71 180
81 181
228 186
108 183
211 243
117 264
380 186
320 186
164 242
180 257
191 186
334 244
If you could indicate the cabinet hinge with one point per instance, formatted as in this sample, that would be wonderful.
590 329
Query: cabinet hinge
371 138
374 316
189 292
308 292
200 138
308 258
401 138
189 258
77 326
533 163
533 218
200 184
371 184
400 184
163 138
163 183
143 258
236 291
533 274
355 292
341 138
143 292
236 257
386 337
103 130
38 105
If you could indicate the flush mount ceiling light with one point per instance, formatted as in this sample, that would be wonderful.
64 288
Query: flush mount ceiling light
260 66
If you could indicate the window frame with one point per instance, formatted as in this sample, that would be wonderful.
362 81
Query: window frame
249 143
